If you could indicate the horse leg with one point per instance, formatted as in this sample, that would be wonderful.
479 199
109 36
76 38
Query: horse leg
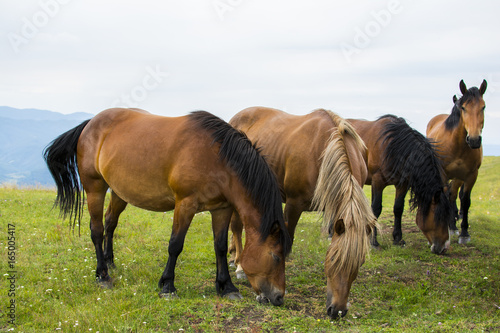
465 202
399 206
232 244
220 226
236 244
183 215
115 208
455 185
460 195
96 194
376 208
293 210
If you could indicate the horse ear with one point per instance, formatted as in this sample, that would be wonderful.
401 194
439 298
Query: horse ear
275 229
455 99
463 87
339 227
482 89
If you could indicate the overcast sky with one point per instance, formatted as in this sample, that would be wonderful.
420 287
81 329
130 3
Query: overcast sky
361 59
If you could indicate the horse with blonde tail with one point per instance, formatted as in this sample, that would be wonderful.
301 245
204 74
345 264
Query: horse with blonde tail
318 161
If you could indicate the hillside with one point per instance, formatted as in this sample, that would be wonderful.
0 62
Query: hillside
24 133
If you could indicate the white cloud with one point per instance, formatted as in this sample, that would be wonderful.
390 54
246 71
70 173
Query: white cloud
283 54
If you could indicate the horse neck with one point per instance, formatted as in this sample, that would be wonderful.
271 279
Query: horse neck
338 191
237 195
459 131
458 136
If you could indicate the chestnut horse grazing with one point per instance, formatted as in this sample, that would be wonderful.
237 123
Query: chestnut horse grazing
189 164
458 140
318 160
399 155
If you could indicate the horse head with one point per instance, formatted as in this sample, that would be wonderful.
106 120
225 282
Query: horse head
471 107
344 257
264 265
434 223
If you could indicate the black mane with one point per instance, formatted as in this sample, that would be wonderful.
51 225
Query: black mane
411 160
252 170
453 119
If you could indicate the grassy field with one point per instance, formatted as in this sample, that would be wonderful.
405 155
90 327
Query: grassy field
398 289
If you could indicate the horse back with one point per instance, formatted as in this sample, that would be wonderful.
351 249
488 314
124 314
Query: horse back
436 127
370 132
291 144
147 160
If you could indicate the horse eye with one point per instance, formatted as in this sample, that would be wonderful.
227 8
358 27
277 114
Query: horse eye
463 109
276 258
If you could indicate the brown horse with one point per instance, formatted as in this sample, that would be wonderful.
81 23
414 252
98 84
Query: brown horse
458 138
399 155
318 160
190 164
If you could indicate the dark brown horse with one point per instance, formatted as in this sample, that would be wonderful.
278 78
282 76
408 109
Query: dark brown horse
458 138
190 164
399 155
318 160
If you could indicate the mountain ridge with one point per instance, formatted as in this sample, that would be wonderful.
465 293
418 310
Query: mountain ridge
24 134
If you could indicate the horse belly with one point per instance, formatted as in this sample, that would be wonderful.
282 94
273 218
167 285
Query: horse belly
137 175
144 193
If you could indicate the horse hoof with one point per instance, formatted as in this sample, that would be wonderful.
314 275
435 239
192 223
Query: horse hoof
231 264
233 296
401 243
455 232
105 284
463 240
168 296
240 275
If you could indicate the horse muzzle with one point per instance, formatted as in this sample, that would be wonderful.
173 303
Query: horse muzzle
437 248
276 299
333 312
474 142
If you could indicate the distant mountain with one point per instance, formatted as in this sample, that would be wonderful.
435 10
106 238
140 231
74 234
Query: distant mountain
24 133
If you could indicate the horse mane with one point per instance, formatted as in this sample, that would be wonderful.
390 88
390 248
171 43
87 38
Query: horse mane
340 197
453 119
411 160
245 160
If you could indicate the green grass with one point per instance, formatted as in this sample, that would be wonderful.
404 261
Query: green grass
398 288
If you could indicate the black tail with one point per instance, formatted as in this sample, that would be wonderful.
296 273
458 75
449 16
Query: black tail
60 156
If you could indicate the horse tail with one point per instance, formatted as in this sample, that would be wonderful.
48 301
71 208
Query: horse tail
344 205
60 156
411 160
